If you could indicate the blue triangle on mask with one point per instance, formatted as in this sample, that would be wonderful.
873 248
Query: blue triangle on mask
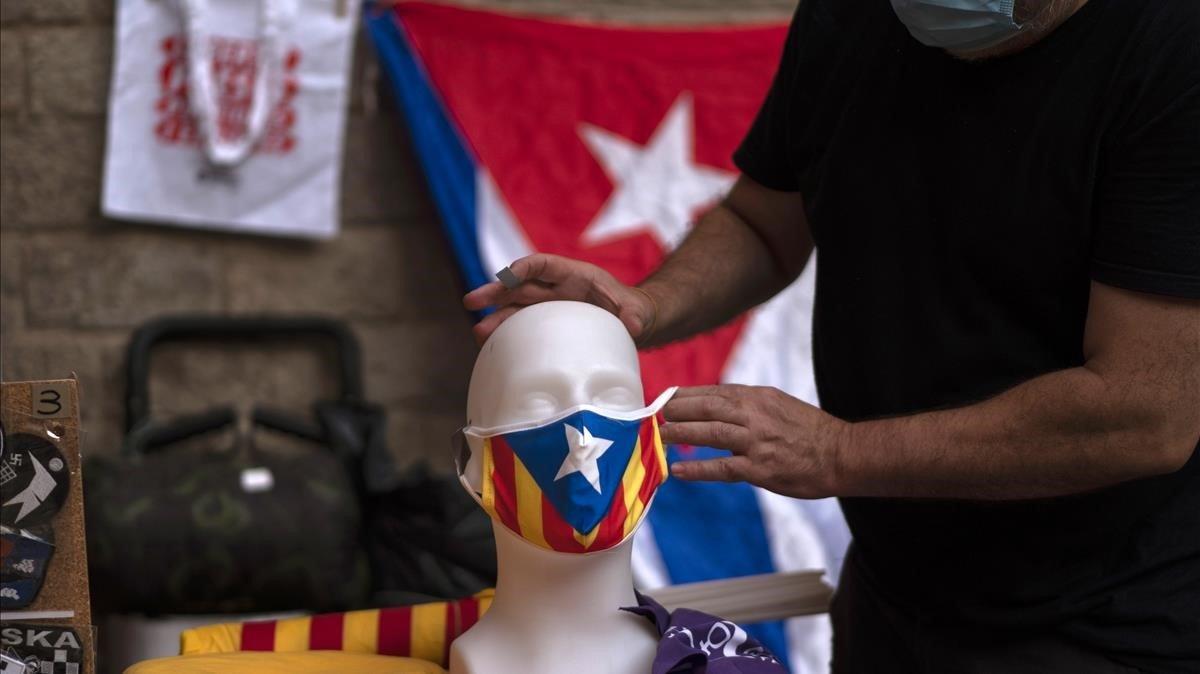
602 448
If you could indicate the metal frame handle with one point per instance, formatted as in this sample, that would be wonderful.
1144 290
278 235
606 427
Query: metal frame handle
226 328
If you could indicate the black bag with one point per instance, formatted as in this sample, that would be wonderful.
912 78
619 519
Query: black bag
182 522
428 541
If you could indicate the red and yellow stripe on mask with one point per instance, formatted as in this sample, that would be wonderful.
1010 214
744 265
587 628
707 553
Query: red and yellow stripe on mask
512 496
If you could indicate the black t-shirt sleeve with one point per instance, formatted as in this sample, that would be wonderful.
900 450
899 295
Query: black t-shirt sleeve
763 155
1147 235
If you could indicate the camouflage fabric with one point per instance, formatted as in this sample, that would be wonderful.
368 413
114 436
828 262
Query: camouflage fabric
176 531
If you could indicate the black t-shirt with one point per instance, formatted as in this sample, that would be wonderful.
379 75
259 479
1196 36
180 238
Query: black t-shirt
960 211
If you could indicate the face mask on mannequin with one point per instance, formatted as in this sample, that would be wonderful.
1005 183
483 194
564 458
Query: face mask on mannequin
578 482
959 25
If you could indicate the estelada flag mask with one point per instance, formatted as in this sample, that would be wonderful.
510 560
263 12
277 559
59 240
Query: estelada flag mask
578 482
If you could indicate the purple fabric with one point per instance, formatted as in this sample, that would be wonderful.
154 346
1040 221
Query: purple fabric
697 643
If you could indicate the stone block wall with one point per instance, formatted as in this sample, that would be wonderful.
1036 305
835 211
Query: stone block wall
74 284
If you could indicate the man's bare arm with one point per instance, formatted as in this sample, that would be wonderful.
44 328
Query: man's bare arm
739 254
1131 410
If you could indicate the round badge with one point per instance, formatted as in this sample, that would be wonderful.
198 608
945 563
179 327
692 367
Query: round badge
34 480
23 564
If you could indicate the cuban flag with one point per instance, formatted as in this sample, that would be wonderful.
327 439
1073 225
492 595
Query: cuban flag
577 485
603 144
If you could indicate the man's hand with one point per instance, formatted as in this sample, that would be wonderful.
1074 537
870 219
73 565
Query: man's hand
1132 410
778 442
739 254
551 277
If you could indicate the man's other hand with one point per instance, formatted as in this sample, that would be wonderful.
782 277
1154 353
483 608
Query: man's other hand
778 442
551 277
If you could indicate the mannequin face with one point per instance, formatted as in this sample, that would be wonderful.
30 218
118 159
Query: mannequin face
547 358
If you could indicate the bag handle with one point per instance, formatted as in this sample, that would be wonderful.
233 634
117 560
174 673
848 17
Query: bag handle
224 328
204 93
148 437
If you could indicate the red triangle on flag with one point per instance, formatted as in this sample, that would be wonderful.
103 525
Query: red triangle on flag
603 142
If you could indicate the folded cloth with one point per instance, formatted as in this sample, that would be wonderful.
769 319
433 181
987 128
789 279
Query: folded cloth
423 631
315 662
698 643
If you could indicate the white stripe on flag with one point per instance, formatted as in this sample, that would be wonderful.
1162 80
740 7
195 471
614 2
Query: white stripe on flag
649 569
775 349
500 239
796 545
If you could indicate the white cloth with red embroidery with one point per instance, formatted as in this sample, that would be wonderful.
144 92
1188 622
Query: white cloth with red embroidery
229 114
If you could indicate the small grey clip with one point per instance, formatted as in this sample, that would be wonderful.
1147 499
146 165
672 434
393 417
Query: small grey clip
508 278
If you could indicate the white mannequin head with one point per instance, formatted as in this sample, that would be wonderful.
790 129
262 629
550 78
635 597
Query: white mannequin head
547 358
541 361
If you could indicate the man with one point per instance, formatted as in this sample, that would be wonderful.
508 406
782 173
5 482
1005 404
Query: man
1006 334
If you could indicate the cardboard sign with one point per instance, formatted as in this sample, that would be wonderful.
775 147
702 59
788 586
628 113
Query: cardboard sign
43 649
45 616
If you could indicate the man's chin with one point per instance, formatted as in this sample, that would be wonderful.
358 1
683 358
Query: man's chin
1033 30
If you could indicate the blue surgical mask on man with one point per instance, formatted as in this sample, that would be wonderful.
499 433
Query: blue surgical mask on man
959 25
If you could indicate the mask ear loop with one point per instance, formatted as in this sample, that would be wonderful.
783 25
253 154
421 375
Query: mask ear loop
631 415
661 401
462 456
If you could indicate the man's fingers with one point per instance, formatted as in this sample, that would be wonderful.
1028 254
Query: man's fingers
539 276
704 408
528 293
484 328
724 469
484 296
604 296
721 390
542 278
696 391
634 324
707 434
544 267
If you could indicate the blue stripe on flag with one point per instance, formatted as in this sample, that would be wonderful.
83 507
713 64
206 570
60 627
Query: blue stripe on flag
449 166
713 530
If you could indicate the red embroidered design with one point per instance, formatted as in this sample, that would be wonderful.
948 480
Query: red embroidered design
233 71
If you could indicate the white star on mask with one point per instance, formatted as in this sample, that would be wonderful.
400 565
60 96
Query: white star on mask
658 187
583 451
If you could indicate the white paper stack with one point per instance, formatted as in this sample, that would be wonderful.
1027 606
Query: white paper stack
751 599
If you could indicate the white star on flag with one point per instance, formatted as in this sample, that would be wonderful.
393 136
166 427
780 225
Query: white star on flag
657 188
583 451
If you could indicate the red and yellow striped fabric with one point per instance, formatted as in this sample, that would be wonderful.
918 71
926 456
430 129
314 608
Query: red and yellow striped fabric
423 631
513 496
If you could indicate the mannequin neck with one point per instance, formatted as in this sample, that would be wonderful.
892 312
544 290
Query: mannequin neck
537 585
555 612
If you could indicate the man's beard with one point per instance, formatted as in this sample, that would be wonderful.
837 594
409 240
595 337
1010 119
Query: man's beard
1037 18
1038 15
